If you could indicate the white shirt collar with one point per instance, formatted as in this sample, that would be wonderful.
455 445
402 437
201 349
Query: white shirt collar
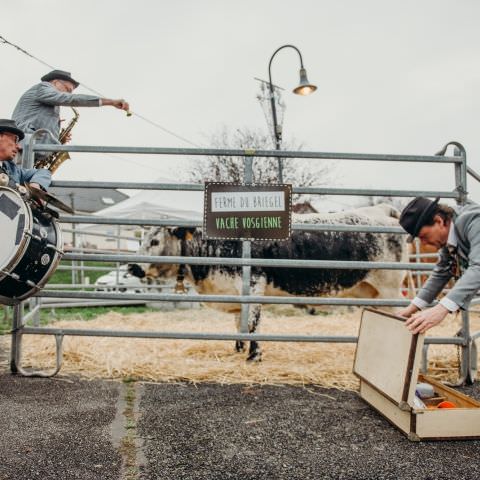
452 236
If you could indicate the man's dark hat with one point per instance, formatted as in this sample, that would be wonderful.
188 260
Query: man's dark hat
10 126
416 214
59 75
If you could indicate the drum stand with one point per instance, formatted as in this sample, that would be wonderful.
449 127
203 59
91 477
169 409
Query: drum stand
16 352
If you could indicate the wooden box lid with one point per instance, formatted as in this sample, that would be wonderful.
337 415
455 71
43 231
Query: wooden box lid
388 356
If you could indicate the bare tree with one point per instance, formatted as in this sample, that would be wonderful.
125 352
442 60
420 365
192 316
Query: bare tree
221 168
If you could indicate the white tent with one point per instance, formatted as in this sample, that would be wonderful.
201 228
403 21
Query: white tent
150 204
157 204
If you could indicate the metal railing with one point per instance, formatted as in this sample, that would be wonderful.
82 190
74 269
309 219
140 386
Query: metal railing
464 339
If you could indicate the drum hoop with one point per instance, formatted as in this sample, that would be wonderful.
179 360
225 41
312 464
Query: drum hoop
25 241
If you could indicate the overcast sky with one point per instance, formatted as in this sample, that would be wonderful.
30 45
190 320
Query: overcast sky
393 77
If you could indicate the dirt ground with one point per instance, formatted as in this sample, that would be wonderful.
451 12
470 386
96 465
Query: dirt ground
323 364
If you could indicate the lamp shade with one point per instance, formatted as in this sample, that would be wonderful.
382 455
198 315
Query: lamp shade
305 87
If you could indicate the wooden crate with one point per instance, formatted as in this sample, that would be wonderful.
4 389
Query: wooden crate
387 361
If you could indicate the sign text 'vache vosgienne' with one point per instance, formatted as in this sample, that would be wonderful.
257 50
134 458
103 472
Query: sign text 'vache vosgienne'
237 211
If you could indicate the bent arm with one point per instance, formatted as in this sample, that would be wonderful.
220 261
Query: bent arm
440 276
32 175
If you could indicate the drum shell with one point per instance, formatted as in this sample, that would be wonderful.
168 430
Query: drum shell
36 261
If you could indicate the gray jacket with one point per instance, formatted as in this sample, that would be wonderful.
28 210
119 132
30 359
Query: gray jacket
467 229
39 107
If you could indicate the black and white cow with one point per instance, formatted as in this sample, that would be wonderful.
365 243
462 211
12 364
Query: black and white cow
303 245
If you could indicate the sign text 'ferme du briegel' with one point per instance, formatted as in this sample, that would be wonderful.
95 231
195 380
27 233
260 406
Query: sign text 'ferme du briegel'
255 212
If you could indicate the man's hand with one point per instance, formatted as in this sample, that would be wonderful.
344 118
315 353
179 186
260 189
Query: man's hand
422 321
118 103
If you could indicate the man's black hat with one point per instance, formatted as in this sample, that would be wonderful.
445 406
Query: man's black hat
10 126
416 214
59 75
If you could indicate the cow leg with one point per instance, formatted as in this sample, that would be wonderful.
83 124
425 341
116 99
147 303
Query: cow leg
254 352
239 344
257 288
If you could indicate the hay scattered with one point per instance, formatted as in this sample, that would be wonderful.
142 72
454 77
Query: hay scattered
158 360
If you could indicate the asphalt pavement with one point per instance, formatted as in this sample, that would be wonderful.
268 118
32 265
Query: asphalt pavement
71 428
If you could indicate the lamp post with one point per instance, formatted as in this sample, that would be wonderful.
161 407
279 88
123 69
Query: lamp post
304 88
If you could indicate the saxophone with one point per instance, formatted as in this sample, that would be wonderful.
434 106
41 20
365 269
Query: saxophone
55 159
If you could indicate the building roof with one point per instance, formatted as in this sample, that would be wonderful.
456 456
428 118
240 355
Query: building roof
88 200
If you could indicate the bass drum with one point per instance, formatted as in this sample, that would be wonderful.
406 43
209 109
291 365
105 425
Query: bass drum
30 250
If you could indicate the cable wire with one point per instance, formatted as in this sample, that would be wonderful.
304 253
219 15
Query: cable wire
145 119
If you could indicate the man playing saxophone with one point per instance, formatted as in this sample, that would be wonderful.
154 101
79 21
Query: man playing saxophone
39 107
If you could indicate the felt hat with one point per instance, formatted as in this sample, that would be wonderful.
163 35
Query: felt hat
7 125
59 75
416 214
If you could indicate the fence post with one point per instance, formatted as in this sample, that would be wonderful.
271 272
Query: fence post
246 253
17 325
468 364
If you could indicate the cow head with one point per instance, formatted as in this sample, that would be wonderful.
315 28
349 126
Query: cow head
162 241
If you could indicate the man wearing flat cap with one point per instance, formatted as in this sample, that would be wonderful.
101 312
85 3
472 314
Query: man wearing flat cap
10 136
456 232
39 106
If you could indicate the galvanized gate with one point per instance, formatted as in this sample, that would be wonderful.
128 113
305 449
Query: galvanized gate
465 339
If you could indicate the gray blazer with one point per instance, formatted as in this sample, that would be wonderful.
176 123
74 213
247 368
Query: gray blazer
467 229
39 107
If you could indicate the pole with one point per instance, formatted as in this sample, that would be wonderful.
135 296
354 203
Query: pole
277 129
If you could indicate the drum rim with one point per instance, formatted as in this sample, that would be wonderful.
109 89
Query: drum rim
25 241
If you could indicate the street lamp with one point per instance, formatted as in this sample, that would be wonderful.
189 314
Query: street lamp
304 88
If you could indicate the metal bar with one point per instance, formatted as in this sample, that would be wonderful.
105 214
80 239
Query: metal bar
246 255
87 303
32 312
473 173
86 268
17 325
213 336
301 190
475 335
198 223
261 299
189 336
259 262
245 153
102 286
374 192
97 234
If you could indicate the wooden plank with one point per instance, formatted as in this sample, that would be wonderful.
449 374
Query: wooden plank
389 410
445 423
386 355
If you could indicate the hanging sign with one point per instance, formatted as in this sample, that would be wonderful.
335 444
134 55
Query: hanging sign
247 212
